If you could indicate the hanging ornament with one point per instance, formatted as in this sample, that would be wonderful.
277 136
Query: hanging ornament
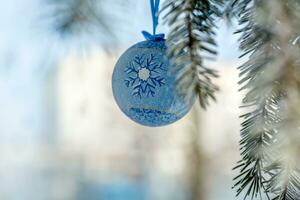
143 84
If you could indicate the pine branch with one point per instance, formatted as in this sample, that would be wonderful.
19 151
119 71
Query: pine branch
190 40
262 97
269 30
285 183
76 19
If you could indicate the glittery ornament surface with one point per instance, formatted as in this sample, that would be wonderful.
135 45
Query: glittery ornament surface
144 86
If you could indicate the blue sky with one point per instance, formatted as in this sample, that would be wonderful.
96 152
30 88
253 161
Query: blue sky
21 23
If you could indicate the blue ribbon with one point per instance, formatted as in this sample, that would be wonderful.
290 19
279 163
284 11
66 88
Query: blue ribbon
154 11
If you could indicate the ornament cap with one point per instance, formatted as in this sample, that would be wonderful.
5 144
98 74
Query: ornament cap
155 37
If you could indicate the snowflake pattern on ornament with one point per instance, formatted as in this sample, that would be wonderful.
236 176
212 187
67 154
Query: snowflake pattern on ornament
144 75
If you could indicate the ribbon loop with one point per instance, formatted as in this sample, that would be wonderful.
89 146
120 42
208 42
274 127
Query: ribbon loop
154 10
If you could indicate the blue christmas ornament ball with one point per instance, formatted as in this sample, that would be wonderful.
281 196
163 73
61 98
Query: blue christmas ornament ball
144 86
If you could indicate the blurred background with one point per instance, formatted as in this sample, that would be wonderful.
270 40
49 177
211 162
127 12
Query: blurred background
62 136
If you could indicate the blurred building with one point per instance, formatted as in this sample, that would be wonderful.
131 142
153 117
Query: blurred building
118 159
73 143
